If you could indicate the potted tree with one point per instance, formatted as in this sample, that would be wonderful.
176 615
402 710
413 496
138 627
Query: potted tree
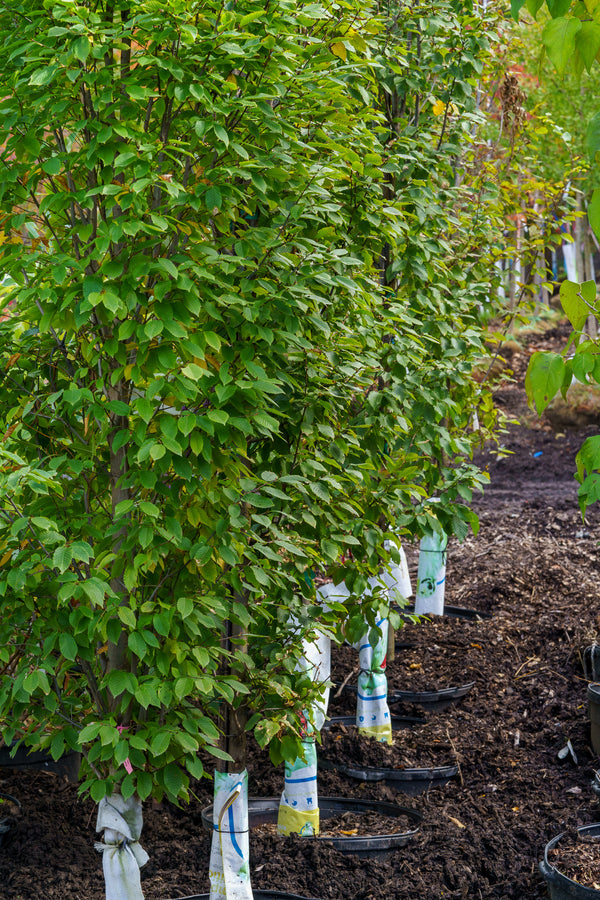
190 255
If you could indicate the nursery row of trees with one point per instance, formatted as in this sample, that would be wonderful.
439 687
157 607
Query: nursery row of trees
247 248
570 38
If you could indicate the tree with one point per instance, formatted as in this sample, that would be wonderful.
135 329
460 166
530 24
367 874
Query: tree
208 388
571 39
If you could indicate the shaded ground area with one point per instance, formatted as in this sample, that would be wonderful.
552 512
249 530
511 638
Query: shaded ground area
534 566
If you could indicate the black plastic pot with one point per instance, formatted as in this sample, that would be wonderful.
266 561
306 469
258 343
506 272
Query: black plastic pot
559 886
411 782
25 758
6 819
398 722
453 612
381 846
258 895
431 700
593 695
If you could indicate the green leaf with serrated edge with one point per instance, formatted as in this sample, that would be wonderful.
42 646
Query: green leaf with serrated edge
61 558
213 198
575 299
543 379
558 38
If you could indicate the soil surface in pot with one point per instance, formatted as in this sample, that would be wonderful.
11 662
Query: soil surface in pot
534 565
417 668
351 824
578 859
422 746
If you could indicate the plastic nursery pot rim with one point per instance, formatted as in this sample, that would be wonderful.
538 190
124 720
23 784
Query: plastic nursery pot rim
28 758
561 887
258 895
399 723
437 700
429 700
265 811
412 782
453 612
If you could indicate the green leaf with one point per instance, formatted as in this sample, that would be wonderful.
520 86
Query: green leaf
577 300
94 590
144 785
593 212
534 7
558 7
127 616
137 645
81 48
61 558
43 76
52 166
593 136
57 747
544 379
588 458
173 779
160 743
221 134
558 38
68 646
213 198
515 8
588 43
146 696
185 606
119 682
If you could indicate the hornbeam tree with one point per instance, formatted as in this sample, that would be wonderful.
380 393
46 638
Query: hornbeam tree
206 390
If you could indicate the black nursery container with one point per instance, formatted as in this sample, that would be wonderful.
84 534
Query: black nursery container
593 695
258 895
410 781
25 759
381 846
6 815
561 887
433 701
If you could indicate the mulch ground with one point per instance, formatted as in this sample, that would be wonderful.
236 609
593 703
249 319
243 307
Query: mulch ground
532 566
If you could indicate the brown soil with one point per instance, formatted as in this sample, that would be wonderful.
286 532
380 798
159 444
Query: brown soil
351 824
418 747
534 566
